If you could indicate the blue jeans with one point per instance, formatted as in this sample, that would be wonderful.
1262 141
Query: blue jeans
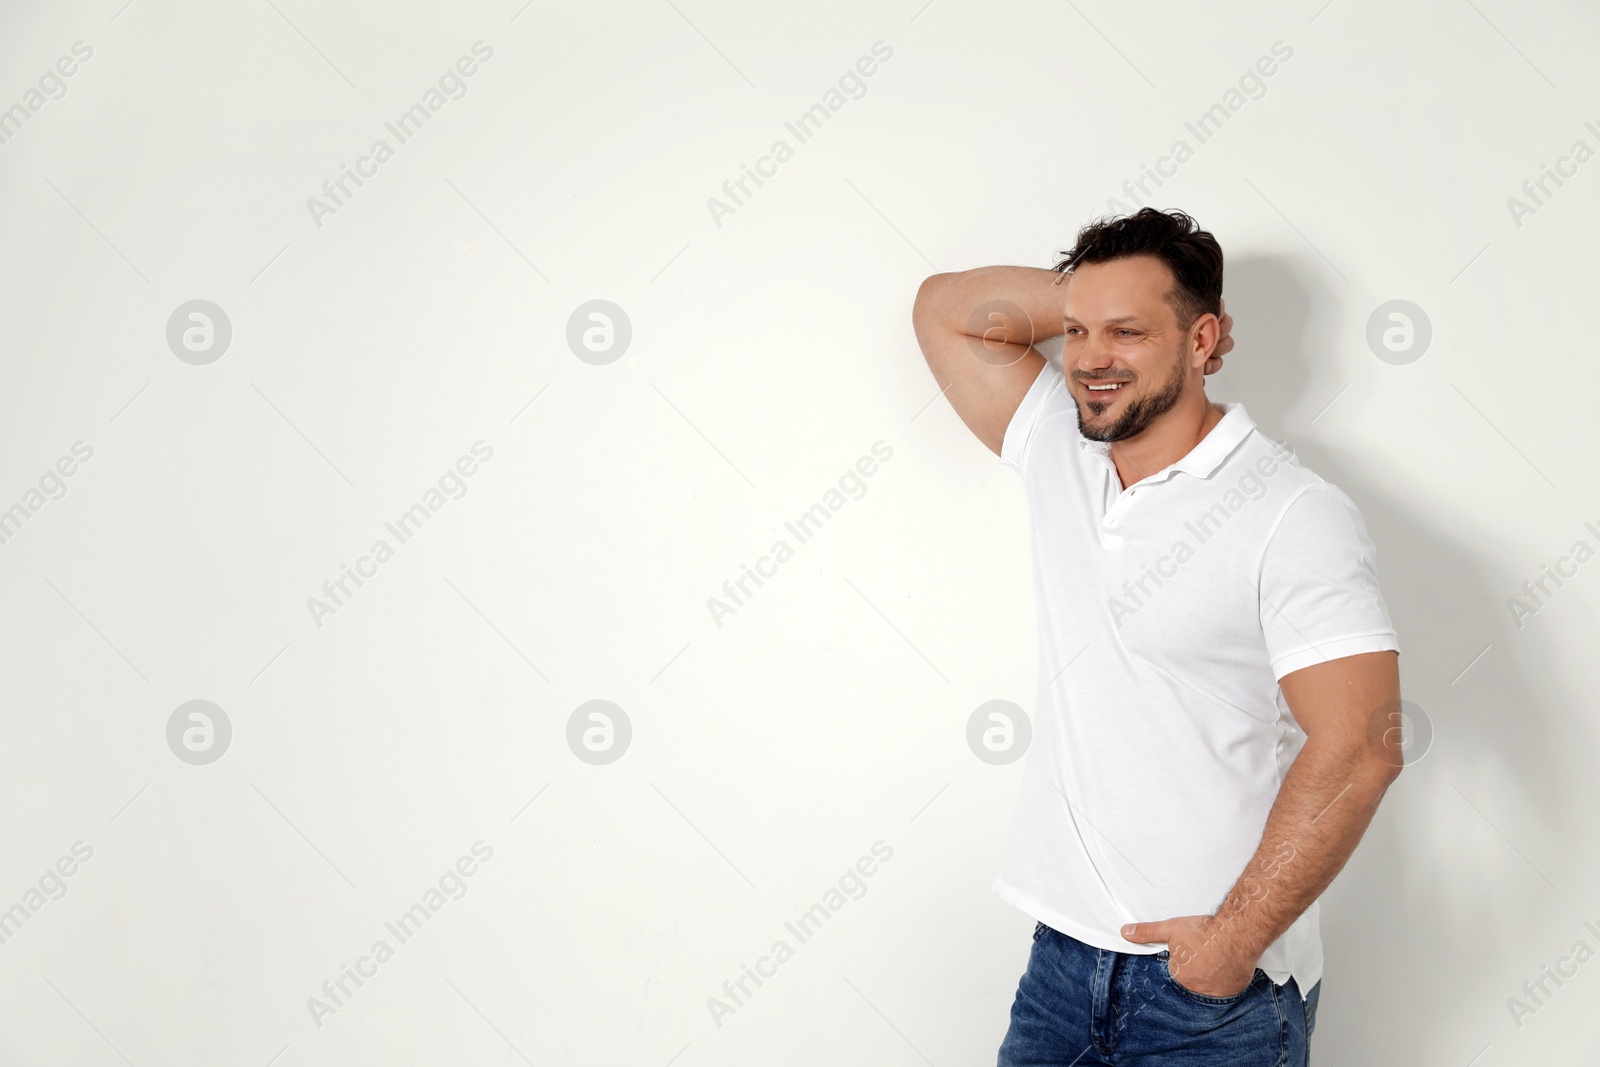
1080 1006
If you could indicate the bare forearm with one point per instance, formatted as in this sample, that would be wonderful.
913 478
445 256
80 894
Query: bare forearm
1323 808
1350 710
1015 305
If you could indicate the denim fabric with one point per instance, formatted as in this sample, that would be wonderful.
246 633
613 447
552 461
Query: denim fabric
1081 1006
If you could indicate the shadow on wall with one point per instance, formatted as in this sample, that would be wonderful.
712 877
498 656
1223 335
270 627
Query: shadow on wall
1422 948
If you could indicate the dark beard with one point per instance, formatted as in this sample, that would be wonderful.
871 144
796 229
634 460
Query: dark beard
1139 413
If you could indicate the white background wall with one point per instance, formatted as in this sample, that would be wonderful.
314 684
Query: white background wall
768 353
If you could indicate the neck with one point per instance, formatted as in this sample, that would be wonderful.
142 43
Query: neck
1167 439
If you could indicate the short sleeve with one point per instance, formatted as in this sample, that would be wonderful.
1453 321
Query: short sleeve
1319 585
1019 431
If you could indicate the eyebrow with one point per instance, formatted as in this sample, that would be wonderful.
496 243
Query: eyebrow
1119 320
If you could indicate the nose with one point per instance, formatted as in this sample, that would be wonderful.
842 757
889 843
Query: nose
1093 358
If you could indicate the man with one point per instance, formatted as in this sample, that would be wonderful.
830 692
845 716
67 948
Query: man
1218 676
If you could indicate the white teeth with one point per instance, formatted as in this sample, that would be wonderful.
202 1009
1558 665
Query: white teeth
1102 388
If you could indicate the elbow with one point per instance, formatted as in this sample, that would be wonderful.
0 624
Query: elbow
1380 767
923 307
919 304
1387 733
1392 769
1365 767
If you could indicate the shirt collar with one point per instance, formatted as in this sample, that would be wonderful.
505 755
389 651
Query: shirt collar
1203 459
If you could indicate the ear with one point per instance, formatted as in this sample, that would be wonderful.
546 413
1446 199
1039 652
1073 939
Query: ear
1204 334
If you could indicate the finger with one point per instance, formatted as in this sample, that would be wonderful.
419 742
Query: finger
1145 933
1213 365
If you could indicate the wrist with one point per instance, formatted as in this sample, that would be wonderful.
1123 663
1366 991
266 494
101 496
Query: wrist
1229 936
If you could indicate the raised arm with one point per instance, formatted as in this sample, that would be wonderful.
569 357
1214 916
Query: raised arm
977 329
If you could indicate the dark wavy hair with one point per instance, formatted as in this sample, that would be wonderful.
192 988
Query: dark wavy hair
1192 254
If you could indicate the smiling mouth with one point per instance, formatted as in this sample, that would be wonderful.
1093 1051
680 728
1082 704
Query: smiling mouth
1104 388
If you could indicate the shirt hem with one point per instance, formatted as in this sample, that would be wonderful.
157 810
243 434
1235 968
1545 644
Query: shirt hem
1112 943
1057 921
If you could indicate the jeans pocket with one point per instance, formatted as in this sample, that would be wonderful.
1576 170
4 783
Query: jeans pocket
1183 990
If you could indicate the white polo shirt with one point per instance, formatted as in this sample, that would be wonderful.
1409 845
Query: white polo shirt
1168 611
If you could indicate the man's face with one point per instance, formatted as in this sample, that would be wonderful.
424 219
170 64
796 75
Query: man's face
1123 352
